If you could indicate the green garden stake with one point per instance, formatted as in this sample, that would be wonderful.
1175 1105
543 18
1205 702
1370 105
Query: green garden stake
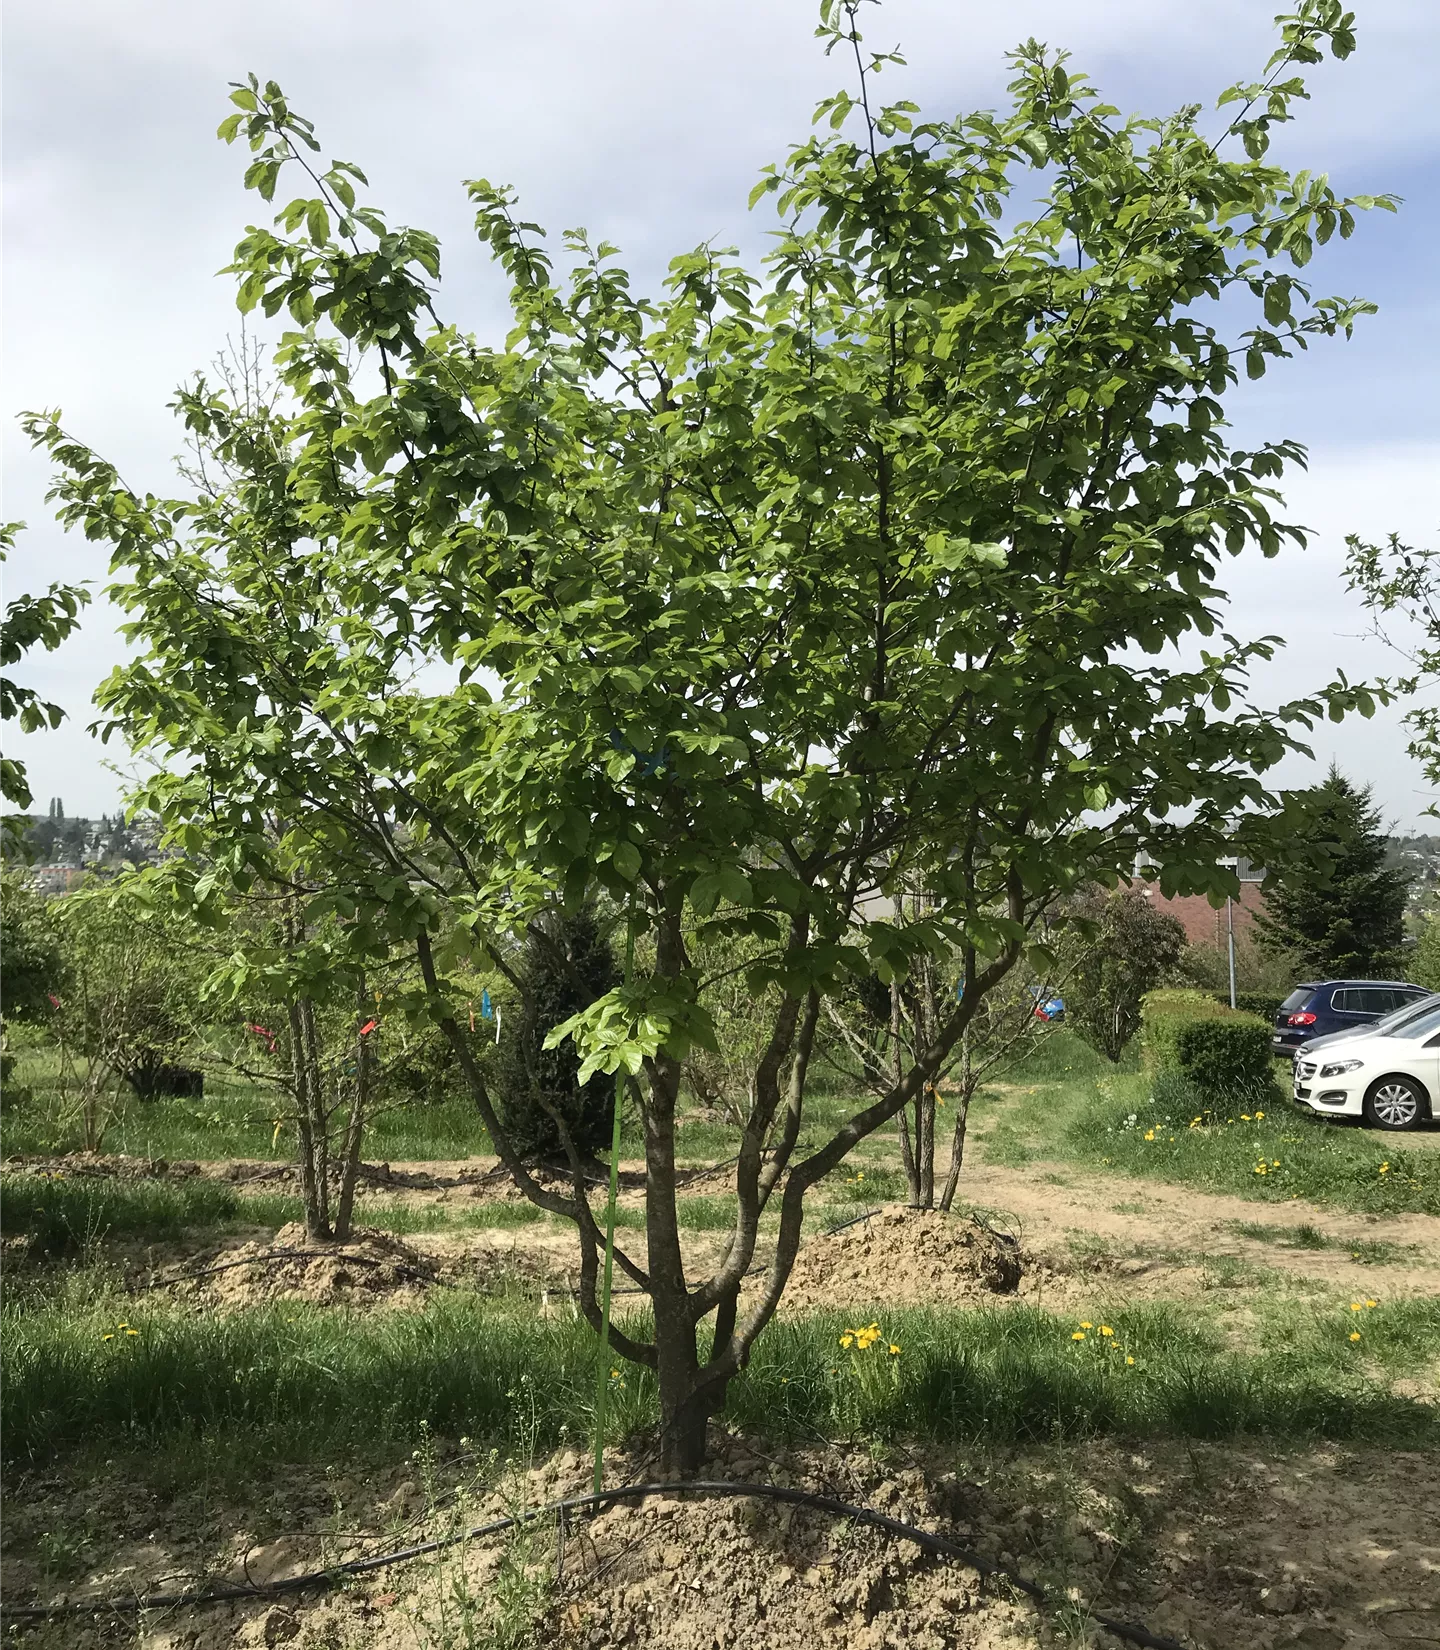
602 1374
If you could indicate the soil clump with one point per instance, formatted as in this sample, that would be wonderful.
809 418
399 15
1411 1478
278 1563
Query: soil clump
369 1269
914 1256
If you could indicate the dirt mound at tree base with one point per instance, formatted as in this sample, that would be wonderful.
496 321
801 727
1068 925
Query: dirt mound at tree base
917 1256
369 1269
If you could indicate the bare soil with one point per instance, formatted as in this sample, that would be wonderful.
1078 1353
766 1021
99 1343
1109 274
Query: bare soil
910 1256
1219 1547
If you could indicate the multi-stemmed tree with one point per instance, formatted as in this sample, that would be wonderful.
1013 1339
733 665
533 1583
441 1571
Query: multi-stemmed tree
747 605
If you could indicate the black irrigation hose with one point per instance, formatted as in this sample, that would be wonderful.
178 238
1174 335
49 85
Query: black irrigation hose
1130 1632
340 1255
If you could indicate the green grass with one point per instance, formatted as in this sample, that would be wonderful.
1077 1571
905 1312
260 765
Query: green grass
1084 1109
299 1382
1307 1236
1265 1150
235 1119
72 1214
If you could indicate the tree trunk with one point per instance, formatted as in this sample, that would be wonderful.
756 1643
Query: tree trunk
313 1190
684 1419
957 1147
683 1415
910 1158
925 1106
354 1126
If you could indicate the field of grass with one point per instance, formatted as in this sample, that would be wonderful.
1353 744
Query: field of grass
243 1395
298 1381
1079 1108
234 1119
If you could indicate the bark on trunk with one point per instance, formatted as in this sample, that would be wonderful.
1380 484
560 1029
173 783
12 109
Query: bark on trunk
312 1188
354 1126
925 1105
684 1424
909 1156
683 1414
957 1151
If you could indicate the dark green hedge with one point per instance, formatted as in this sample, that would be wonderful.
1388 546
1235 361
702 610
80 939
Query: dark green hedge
1226 1056
1264 1003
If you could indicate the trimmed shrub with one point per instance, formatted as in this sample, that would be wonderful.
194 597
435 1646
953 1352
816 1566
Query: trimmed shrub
1163 1014
1264 1003
1225 1056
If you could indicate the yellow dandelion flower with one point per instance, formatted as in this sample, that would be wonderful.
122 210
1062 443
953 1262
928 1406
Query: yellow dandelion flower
1274 1162
1354 1334
846 1340
1129 1359
107 1337
1079 1335
1086 1324
614 1374
1244 1116
1259 1116
1372 1303
1355 1306
894 1350
1105 1329
135 1332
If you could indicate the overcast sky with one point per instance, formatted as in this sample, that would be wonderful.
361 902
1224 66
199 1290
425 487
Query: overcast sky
647 121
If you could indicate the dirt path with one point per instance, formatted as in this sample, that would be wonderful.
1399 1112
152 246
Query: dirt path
1056 1203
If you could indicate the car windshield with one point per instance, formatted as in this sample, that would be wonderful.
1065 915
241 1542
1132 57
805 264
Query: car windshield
1403 1015
1419 1025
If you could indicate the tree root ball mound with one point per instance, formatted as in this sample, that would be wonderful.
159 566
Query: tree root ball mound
369 1269
910 1255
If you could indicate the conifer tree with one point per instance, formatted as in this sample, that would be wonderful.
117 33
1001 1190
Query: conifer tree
567 965
1343 918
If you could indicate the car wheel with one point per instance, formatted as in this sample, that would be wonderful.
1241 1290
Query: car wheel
1396 1103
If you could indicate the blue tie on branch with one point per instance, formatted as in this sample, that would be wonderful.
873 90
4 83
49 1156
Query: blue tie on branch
648 763
487 1008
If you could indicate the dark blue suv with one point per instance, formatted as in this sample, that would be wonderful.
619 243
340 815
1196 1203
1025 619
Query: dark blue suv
1315 1010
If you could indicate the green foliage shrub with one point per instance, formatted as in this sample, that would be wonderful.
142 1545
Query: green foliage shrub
1134 948
1226 1056
567 964
1217 1049
1162 1015
1264 1003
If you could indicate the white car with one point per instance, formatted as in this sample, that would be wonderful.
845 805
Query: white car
1389 1077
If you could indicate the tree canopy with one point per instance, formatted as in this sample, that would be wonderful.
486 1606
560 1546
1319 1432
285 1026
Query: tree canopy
30 621
1344 915
747 605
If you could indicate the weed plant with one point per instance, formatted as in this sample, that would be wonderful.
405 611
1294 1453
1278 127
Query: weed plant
1307 1236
